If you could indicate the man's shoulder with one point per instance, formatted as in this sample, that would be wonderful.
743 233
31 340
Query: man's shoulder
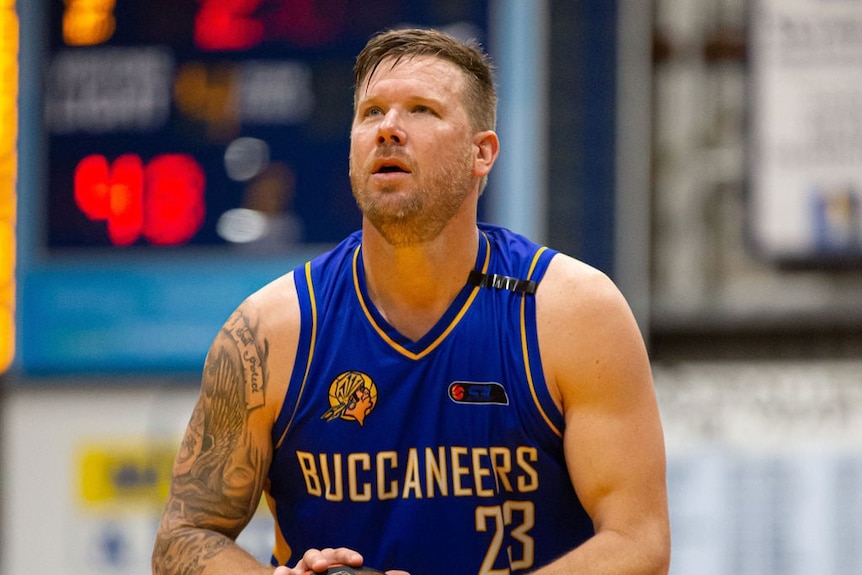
587 331
571 284
274 306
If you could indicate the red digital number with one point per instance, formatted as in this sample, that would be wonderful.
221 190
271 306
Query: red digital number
113 193
239 24
162 201
174 200
227 25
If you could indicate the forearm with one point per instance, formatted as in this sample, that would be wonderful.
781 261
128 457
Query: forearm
613 553
194 551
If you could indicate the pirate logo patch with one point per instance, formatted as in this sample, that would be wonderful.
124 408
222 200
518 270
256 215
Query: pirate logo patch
352 397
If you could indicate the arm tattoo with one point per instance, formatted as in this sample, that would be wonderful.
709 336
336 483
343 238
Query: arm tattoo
252 362
219 472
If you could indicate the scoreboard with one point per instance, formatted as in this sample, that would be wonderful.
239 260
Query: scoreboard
209 122
178 154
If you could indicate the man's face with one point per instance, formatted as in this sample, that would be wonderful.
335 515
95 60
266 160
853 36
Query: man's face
411 148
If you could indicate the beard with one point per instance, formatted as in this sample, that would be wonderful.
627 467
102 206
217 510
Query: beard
409 216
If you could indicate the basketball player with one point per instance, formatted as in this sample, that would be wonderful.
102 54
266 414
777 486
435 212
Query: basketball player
433 395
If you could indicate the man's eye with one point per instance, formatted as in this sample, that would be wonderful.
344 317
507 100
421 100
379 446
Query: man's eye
422 109
375 111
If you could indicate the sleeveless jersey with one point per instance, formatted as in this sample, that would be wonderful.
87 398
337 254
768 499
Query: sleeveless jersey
438 456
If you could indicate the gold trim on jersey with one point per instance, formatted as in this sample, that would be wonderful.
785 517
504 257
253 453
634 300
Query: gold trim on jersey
313 306
433 345
525 349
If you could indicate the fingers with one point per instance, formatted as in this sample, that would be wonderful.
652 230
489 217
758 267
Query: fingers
319 560
396 572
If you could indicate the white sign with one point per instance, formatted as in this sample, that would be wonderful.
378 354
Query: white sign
806 154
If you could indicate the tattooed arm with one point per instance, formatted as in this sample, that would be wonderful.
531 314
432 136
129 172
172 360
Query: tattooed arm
224 458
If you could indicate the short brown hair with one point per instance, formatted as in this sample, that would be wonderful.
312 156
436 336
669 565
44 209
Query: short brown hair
480 95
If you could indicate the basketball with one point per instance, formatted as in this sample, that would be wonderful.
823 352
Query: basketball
345 570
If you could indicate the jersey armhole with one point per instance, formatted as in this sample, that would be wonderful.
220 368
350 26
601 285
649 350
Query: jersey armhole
544 403
304 352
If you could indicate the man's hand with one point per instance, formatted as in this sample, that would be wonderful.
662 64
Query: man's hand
319 560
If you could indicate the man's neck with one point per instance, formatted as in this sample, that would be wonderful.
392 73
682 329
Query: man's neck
413 286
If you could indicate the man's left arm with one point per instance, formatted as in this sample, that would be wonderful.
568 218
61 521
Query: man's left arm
597 368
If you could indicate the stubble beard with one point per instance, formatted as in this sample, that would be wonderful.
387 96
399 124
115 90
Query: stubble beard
412 216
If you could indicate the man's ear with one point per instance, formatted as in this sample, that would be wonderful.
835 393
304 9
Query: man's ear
487 149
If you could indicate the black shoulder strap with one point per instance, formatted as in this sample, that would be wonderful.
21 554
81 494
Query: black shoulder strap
477 278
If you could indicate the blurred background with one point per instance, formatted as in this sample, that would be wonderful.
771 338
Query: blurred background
162 159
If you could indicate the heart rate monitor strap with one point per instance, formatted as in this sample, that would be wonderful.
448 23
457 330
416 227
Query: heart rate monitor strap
477 278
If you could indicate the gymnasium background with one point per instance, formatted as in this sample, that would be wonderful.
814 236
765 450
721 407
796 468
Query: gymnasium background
707 154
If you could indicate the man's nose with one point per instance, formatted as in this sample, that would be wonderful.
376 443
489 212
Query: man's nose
390 130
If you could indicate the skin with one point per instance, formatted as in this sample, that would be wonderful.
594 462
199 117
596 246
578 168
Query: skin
420 234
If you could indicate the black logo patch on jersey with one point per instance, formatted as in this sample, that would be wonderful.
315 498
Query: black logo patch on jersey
474 392
352 397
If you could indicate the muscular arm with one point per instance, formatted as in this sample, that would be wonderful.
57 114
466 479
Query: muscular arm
598 370
224 457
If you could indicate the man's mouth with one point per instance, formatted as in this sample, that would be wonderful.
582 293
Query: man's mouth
390 167
390 170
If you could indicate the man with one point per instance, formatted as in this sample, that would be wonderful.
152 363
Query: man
433 395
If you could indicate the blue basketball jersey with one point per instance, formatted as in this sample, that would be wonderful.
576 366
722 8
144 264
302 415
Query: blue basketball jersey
440 456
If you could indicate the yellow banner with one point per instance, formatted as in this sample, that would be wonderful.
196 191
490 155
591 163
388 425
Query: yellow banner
136 473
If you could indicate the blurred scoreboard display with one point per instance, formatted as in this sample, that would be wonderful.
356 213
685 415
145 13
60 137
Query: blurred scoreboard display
186 152
210 122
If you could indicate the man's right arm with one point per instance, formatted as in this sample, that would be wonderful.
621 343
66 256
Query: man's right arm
222 464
